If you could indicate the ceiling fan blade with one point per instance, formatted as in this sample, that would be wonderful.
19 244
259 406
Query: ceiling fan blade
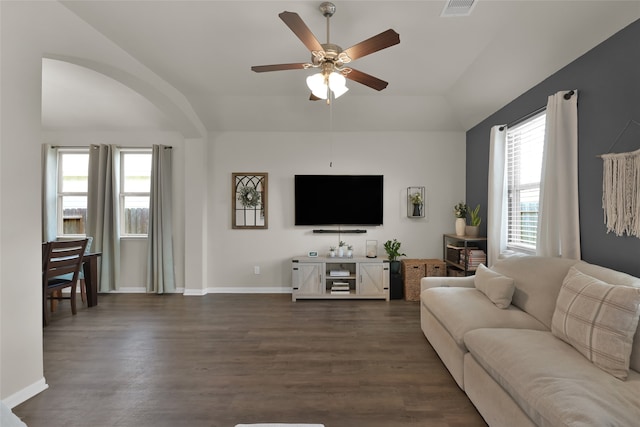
381 41
300 29
366 79
278 67
312 97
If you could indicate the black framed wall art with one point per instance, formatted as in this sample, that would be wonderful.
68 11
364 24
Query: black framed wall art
249 204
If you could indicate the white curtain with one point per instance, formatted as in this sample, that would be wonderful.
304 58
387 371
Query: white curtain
160 268
103 221
558 218
49 192
497 191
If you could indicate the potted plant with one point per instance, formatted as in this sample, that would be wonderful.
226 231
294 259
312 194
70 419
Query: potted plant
416 201
349 251
392 248
332 251
473 229
460 210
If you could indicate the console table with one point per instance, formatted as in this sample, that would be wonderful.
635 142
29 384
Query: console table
339 278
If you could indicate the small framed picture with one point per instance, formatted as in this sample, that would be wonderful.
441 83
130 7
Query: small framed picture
313 254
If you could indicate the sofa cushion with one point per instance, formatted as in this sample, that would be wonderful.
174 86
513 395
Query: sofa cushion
616 278
598 319
537 281
553 383
498 288
460 310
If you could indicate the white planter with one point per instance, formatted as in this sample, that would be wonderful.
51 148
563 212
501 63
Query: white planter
461 225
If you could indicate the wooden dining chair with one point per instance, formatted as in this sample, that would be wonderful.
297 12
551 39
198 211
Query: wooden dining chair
61 264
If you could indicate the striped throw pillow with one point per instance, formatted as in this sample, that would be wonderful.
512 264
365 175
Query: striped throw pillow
598 319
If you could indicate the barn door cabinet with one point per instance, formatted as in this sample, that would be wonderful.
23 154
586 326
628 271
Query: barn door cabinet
339 278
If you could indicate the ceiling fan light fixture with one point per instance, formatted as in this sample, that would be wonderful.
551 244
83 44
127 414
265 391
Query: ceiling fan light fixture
331 59
337 84
317 85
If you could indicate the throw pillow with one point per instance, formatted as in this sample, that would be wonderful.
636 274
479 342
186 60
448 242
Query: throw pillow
498 288
598 319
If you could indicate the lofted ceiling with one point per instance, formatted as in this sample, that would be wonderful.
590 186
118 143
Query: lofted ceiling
447 74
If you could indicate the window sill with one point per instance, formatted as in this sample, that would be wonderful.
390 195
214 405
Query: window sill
141 237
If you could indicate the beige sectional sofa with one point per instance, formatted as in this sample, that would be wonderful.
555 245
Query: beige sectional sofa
564 350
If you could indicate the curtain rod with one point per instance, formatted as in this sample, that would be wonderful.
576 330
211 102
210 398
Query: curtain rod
567 96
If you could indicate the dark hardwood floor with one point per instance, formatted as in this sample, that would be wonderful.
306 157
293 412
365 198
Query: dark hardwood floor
223 359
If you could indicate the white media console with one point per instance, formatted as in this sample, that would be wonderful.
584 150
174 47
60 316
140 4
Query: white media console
341 278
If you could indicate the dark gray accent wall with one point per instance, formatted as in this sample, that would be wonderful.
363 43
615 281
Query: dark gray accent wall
608 82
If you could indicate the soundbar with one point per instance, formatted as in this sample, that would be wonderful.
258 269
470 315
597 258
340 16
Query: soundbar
340 231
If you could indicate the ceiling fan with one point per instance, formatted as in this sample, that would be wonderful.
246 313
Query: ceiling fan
330 59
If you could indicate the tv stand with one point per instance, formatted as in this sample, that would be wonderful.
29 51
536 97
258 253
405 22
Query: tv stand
339 231
339 278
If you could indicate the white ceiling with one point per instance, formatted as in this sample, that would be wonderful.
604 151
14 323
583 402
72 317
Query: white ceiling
447 74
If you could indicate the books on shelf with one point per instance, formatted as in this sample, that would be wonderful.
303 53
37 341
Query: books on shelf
339 273
340 288
473 258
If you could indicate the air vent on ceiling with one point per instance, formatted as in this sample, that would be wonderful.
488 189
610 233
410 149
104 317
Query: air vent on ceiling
458 7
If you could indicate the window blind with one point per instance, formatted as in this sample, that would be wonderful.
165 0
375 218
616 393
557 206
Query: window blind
525 142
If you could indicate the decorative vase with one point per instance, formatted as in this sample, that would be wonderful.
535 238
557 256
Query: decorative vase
340 252
394 267
349 253
417 210
461 225
332 254
473 230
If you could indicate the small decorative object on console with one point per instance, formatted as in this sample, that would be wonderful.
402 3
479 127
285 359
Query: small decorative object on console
372 249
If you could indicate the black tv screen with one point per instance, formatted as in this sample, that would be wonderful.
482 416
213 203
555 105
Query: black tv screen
338 199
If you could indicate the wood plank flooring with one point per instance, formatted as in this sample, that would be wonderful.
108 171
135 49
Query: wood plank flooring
223 359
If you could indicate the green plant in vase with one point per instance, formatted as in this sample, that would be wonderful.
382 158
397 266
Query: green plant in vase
416 201
460 211
474 214
392 248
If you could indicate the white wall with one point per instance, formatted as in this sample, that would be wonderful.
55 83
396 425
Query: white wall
433 160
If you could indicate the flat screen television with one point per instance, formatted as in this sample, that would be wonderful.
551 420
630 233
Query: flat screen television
338 199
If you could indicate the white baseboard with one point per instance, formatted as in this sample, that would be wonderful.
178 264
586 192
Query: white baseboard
250 290
26 393
139 290
194 292
212 290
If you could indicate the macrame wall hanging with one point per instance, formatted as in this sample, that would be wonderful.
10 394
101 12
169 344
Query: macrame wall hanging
621 190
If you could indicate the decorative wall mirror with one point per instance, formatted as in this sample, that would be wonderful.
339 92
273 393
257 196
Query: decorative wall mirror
249 204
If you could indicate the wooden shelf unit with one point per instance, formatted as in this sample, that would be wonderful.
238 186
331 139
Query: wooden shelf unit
461 243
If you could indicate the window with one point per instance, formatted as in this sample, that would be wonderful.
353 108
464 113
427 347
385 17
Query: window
73 182
524 166
135 186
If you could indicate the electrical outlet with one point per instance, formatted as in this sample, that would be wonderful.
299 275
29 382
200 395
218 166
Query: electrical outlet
256 269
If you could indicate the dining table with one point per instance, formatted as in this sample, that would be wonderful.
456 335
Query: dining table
90 269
